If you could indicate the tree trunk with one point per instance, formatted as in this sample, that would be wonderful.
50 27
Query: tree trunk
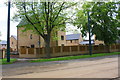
47 46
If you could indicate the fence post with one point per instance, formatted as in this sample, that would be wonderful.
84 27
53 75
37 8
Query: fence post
35 52
26 50
3 51
61 48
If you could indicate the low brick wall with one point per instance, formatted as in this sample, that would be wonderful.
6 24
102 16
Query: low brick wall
67 50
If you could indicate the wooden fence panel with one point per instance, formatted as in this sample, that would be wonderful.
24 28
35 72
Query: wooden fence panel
57 49
74 48
51 50
87 47
70 50
1 53
117 46
66 48
30 50
39 50
113 46
23 50
96 47
82 48
101 47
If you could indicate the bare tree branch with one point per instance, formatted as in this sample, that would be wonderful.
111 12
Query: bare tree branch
59 11
24 7
36 16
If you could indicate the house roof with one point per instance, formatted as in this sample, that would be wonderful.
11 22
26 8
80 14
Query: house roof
3 42
23 22
14 36
86 42
72 36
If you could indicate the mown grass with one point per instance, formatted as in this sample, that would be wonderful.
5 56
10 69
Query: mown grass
75 57
4 61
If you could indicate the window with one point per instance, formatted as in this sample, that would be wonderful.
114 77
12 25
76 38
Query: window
30 36
32 46
62 44
4 45
62 37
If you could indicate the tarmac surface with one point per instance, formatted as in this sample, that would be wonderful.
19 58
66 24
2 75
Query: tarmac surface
99 67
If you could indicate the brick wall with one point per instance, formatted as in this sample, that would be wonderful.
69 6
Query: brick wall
13 43
28 38
74 42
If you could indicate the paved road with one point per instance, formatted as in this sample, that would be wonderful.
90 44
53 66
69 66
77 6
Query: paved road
101 67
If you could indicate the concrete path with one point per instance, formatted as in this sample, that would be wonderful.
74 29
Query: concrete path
100 67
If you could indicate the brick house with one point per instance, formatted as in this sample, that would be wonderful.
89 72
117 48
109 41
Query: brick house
73 39
3 44
98 42
32 40
13 43
94 41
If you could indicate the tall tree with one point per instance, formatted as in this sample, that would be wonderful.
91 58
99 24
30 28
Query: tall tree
81 19
42 18
104 22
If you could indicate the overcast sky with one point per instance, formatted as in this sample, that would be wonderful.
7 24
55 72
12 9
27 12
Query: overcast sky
3 21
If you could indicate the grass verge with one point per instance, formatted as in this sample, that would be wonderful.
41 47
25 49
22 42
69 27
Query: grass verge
75 57
4 61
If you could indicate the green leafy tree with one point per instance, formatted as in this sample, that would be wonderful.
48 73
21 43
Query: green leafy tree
42 18
81 19
103 20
